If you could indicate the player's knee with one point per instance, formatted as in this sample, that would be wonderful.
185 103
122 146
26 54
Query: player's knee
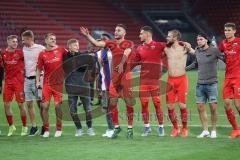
113 101
144 104
73 109
30 104
213 111
237 104
130 101
156 101
182 105
227 103
170 106
20 105
45 106
6 104
201 107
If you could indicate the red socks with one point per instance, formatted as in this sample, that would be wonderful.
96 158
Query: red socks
130 115
46 126
114 111
173 117
184 117
24 120
59 126
145 112
9 119
159 112
231 118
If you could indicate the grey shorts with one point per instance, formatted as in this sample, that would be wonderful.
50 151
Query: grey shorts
30 90
206 93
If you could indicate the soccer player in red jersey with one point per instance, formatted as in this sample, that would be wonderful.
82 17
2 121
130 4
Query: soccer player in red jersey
231 89
13 63
150 56
121 76
51 60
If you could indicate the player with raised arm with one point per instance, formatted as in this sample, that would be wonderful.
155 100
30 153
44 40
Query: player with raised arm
120 84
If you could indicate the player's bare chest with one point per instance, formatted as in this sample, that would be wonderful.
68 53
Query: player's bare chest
175 53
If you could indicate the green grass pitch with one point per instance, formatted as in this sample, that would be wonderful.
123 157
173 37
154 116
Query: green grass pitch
70 147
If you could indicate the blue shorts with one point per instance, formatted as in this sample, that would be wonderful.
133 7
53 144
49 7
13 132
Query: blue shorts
206 93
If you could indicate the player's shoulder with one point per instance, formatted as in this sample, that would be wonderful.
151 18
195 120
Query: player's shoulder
110 42
128 41
4 51
61 49
42 52
126 44
237 39
160 44
139 47
18 51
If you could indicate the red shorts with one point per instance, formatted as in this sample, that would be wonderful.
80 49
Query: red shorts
145 91
178 89
11 89
231 88
52 90
121 86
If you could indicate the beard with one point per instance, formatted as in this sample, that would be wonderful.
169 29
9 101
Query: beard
169 44
118 37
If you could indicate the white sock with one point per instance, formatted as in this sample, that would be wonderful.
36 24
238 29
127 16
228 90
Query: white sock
147 125
130 126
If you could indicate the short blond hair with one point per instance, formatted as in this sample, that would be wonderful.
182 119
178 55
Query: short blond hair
10 37
71 41
48 35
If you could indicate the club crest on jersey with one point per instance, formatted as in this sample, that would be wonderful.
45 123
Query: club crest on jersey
55 52
16 55
152 47
235 44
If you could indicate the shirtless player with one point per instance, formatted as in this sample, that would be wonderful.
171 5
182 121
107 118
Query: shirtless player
177 56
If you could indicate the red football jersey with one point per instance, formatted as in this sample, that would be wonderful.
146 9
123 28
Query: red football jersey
51 62
13 63
232 54
150 57
118 51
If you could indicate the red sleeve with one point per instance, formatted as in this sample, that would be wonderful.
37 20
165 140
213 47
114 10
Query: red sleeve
110 44
127 44
63 51
137 57
163 44
221 47
40 61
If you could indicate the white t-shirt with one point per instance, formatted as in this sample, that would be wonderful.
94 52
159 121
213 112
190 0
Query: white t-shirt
31 58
